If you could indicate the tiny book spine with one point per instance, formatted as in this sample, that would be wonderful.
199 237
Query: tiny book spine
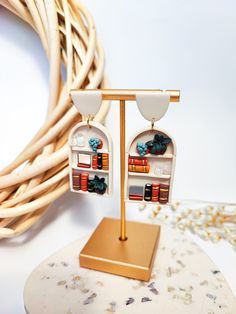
164 193
95 162
99 161
76 179
105 161
135 168
138 161
83 165
136 197
84 182
155 192
148 192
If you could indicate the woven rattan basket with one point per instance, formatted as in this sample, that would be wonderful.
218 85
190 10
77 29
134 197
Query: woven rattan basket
68 36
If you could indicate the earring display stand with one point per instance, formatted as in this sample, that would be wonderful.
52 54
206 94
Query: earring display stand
123 247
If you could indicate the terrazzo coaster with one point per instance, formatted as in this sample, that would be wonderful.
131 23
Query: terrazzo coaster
184 280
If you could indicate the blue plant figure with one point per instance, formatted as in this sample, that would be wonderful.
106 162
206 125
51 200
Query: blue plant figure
142 149
95 143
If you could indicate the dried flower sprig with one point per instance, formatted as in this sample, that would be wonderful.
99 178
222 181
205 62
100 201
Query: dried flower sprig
210 222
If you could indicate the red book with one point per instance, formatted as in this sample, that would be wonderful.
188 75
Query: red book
83 165
84 182
95 162
138 161
136 197
155 192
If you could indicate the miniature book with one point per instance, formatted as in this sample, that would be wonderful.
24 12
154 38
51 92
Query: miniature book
148 192
84 160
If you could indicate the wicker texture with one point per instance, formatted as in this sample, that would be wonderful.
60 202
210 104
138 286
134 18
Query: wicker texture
39 174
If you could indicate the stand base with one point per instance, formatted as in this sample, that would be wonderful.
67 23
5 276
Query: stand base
132 258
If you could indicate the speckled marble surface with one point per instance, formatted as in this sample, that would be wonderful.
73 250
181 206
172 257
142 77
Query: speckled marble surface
184 280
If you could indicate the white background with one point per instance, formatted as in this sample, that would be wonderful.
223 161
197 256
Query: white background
187 45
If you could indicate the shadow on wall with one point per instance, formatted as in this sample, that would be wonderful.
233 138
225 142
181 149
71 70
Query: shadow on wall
82 212
25 38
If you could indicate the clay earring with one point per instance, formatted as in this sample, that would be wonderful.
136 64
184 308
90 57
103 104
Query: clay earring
151 154
90 153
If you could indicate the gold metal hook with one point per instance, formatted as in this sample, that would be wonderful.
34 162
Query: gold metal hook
152 123
89 119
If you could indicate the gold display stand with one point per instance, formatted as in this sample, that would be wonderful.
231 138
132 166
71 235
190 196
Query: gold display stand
123 247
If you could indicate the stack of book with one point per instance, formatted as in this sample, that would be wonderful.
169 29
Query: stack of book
136 193
84 182
138 165
84 161
99 161
154 192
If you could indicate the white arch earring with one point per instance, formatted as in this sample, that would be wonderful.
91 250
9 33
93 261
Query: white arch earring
151 154
153 106
90 148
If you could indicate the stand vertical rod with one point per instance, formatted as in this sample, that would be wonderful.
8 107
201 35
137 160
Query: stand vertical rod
122 171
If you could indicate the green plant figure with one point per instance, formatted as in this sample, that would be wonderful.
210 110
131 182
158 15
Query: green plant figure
97 185
158 145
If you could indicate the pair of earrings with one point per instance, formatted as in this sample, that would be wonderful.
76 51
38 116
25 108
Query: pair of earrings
150 155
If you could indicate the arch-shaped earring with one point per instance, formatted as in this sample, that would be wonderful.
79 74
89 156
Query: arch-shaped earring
90 148
150 154
153 106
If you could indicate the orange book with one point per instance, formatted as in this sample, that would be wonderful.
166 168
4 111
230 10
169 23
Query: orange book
136 168
105 161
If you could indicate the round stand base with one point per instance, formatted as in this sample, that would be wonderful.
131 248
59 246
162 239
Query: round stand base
184 280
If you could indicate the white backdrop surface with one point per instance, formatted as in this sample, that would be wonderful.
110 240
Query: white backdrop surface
186 45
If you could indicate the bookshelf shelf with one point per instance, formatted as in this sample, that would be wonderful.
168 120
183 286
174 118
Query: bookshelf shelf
88 150
91 170
145 202
150 175
165 156
91 193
